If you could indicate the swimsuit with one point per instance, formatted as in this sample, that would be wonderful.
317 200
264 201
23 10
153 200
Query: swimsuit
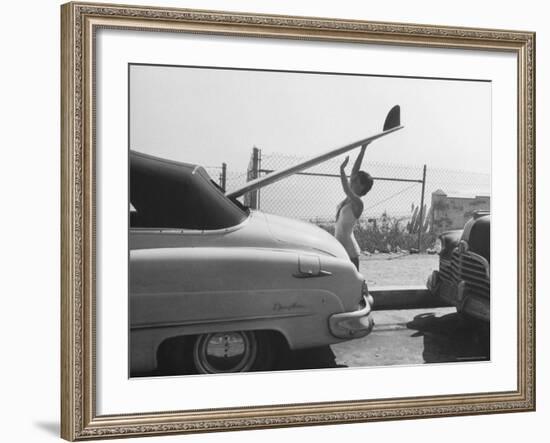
344 230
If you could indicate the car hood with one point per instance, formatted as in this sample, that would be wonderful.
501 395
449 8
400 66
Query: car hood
302 235
259 230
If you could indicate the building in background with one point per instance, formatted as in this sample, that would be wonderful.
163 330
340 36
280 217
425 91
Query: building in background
451 212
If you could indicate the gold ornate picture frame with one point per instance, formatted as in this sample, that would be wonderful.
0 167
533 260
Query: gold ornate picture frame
80 22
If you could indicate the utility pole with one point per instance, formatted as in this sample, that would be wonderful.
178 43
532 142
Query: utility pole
421 214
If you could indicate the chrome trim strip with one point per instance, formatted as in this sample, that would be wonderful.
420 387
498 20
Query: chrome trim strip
176 231
214 321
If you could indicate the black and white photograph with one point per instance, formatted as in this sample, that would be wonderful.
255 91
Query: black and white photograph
293 220
284 218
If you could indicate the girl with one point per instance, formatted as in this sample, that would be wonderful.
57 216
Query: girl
350 209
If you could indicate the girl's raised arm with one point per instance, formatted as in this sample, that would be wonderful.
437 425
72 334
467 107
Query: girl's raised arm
359 160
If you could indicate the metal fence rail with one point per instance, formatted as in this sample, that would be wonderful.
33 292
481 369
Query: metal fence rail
397 211
318 190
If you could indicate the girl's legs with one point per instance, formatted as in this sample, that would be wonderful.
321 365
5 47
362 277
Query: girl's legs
355 261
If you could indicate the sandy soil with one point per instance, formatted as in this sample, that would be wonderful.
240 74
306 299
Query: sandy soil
396 269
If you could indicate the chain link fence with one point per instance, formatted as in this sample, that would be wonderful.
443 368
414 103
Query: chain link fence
314 194
226 178
407 207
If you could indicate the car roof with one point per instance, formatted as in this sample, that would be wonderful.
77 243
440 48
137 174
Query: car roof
161 161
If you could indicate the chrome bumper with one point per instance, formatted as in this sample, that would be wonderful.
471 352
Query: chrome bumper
433 283
459 296
355 324
473 305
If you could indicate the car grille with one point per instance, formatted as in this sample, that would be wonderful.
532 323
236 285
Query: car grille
468 267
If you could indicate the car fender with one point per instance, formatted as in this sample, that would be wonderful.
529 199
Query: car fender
188 291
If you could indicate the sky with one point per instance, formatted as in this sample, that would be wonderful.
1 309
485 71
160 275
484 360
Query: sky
210 116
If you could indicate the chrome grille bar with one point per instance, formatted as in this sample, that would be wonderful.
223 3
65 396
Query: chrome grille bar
469 267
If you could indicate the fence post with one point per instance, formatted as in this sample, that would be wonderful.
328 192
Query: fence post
258 172
251 198
223 176
421 214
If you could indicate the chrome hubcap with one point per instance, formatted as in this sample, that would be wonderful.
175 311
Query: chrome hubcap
225 352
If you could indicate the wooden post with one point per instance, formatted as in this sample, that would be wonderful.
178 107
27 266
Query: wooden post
251 197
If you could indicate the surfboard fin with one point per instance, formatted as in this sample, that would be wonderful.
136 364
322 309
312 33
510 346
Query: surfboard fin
393 119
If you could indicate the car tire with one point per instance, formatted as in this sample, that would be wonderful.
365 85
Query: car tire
233 351
175 356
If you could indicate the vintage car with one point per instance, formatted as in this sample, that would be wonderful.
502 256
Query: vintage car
463 278
215 287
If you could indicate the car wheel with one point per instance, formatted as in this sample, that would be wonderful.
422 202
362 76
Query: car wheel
174 356
224 352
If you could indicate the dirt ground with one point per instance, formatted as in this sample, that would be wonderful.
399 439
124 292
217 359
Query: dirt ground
397 269
401 337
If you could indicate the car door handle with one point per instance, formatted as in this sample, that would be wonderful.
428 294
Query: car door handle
310 274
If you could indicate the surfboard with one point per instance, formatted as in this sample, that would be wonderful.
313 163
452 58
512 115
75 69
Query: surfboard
392 123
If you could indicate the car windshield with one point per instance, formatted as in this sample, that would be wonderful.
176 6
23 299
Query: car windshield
168 194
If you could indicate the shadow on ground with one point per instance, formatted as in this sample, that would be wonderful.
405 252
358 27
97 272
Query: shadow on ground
315 358
451 338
